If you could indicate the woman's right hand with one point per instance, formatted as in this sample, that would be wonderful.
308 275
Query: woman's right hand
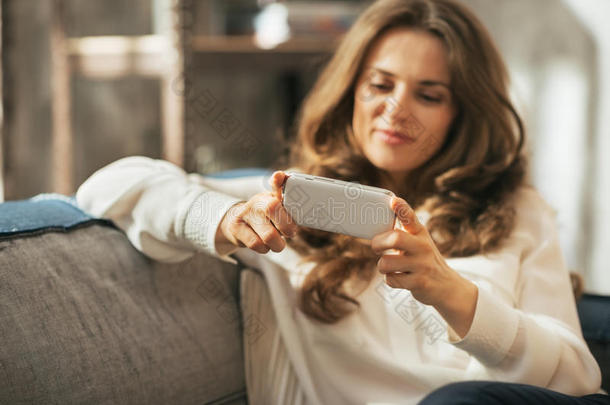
261 222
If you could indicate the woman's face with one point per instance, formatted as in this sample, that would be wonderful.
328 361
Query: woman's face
403 106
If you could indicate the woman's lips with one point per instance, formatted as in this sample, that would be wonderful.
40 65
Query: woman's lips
393 137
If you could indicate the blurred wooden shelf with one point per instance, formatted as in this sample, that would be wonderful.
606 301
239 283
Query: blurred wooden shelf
150 55
116 56
246 44
235 53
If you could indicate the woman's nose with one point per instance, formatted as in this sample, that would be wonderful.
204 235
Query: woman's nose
396 108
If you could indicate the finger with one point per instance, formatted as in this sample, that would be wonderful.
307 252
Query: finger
269 208
276 181
395 263
406 216
280 218
408 281
246 236
258 220
269 235
396 239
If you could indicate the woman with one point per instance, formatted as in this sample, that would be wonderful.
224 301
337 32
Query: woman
414 100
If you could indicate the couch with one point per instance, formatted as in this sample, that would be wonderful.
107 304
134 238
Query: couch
86 318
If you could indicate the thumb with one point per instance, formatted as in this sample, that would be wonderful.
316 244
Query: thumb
276 181
405 216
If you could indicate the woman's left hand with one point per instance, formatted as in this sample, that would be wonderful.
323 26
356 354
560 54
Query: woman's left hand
420 268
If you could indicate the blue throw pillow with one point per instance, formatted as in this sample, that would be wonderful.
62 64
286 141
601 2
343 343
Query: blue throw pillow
42 213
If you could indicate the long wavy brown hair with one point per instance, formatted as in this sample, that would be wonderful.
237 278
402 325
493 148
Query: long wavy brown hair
466 186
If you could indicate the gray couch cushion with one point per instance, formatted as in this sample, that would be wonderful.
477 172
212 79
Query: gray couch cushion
85 318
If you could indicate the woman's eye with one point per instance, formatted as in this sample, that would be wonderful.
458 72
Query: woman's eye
431 99
380 86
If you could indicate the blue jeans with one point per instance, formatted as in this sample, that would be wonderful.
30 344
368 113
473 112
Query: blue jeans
502 393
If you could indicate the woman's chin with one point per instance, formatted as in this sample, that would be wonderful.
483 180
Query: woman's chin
391 164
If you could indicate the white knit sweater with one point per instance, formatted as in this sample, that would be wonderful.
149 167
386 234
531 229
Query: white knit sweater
393 349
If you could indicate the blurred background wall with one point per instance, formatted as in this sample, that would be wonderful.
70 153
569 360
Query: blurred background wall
213 85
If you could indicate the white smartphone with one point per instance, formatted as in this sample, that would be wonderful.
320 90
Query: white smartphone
337 206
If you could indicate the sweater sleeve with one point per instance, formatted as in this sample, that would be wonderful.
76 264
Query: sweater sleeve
167 214
539 340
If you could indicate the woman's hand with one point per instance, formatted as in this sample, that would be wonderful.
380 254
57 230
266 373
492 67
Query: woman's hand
261 222
420 268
